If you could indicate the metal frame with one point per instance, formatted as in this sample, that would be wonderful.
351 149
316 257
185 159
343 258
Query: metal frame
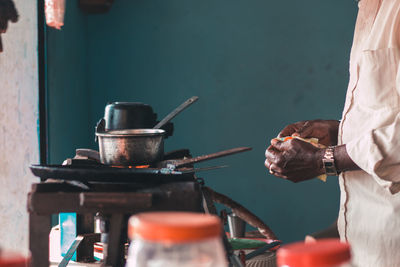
45 199
42 73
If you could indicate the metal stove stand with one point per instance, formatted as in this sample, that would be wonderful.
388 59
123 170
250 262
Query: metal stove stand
117 200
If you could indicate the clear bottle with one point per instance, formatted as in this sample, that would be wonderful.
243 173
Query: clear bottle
321 253
179 239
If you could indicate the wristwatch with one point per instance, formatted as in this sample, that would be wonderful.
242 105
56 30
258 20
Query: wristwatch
329 162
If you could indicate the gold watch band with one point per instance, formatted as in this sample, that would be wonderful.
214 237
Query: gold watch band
329 162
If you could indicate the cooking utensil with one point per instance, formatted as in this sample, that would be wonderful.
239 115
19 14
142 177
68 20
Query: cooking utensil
190 170
131 147
128 115
87 153
176 111
184 162
237 226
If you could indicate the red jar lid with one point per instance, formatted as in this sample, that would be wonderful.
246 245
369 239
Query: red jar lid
322 253
174 227
10 259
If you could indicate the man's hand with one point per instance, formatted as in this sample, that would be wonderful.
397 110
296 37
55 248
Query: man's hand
294 160
325 130
8 12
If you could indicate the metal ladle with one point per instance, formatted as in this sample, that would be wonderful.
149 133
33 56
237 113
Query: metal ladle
176 111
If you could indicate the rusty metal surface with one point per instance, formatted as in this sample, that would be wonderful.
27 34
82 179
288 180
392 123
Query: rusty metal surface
131 147
103 173
87 173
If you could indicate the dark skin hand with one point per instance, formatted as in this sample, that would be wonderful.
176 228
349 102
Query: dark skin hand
294 160
325 130
298 161
8 12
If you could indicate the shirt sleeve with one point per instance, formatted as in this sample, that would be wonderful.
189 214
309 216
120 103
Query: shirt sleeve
377 152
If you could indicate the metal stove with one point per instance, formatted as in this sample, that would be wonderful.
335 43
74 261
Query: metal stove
86 187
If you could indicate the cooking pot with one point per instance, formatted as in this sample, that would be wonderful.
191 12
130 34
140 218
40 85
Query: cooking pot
131 146
132 115
129 115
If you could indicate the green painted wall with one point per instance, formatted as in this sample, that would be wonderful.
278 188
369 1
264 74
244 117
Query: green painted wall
68 96
256 66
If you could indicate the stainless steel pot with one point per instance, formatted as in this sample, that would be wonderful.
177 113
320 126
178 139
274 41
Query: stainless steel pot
131 147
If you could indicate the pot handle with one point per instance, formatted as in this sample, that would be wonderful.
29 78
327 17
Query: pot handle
100 128
87 153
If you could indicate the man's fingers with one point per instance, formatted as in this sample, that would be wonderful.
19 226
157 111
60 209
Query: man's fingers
287 131
291 129
276 157
277 171
305 131
280 145
271 154
267 163
275 162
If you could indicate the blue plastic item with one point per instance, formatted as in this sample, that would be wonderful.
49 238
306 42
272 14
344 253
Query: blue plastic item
68 232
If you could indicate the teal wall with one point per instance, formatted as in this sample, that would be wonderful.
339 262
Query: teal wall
256 66
68 94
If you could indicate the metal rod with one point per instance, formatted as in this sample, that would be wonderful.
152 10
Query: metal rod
220 154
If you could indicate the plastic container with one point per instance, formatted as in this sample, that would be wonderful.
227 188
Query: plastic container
11 259
322 253
179 239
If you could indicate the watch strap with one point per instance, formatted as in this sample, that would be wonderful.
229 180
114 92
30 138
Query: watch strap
329 162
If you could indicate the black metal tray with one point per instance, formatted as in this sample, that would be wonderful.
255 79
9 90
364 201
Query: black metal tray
108 174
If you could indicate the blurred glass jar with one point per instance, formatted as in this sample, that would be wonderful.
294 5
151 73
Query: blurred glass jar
179 239
321 253
11 259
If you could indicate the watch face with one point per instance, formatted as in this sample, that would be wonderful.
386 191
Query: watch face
328 164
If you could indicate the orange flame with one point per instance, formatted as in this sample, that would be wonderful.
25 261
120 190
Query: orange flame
132 167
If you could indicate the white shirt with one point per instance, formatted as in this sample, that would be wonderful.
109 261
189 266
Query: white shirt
369 216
